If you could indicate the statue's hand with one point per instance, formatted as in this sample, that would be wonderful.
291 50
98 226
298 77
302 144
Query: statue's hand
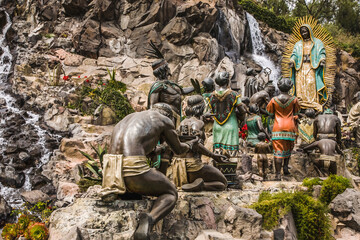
291 64
220 158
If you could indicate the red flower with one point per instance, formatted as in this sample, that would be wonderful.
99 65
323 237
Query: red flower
87 80
244 128
243 135
65 78
104 84
78 76
85 77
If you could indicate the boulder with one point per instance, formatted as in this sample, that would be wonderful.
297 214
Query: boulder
206 48
192 214
346 207
57 118
5 211
87 39
178 31
35 196
105 117
11 178
193 69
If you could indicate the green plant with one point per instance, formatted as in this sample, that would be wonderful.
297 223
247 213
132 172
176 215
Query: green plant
23 223
109 94
310 182
84 184
9 232
40 212
281 23
310 215
37 231
54 74
333 186
93 165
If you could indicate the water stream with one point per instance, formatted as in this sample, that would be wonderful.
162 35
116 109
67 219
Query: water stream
12 195
258 49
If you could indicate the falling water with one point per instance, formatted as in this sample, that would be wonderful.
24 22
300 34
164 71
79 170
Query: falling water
258 49
12 195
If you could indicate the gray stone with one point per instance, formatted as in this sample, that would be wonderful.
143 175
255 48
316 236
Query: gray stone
5 211
192 214
12 178
178 31
346 207
34 196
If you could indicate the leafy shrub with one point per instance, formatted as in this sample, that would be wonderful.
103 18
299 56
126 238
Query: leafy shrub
310 215
344 40
108 94
333 186
269 17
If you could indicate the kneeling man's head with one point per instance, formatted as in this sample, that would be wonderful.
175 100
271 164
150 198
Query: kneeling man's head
163 109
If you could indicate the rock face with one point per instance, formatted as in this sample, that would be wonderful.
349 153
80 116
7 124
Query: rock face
192 214
5 211
346 207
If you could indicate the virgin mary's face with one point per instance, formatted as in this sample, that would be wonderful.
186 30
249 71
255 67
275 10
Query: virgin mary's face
304 31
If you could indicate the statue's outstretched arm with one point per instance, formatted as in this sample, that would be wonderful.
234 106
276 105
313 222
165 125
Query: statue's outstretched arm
187 90
173 141
312 146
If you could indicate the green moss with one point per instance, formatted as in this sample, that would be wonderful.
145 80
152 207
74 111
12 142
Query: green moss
84 184
310 182
333 186
280 23
310 215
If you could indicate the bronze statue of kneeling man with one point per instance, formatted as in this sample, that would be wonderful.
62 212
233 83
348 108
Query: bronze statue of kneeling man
328 159
189 172
126 168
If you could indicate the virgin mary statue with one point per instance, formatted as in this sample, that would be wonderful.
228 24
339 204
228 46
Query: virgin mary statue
309 60
307 63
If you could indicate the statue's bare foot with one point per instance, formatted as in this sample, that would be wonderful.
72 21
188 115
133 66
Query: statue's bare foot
195 186
144 227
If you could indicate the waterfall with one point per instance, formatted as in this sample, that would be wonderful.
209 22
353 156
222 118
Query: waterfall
12 195
258 49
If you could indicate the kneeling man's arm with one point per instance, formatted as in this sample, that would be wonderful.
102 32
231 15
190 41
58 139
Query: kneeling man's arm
173 141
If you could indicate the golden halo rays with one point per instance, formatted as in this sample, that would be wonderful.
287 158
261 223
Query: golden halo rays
320 33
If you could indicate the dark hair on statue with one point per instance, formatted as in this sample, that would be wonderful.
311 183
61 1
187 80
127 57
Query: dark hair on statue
222 78
310 113
245 100
162 71
253 108
195 106
163 109
285 84
261 136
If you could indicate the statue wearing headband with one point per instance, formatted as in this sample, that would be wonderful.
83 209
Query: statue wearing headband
164 90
